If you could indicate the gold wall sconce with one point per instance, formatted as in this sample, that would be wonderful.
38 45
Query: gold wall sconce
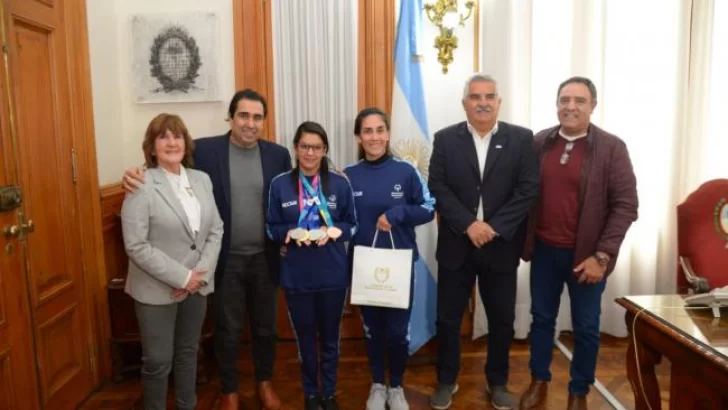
444 14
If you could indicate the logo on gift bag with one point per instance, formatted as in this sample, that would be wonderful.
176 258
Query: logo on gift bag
381 274
720 217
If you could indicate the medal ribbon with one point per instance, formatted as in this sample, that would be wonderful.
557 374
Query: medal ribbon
306 205
312 192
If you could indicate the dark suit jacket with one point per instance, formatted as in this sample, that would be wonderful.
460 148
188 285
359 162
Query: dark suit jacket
212 155
509 187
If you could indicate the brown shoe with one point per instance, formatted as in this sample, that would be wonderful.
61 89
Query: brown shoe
229 402
535 397
577 402
268 397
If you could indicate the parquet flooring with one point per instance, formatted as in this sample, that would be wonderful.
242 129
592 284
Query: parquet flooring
353 385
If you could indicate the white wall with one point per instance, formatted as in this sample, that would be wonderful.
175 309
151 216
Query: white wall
120 122
444 92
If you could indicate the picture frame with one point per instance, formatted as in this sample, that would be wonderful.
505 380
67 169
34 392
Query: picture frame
175 57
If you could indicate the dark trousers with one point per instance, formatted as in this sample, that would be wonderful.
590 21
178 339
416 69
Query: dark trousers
245 287
170 339
551 268
498 290
317 316
386 331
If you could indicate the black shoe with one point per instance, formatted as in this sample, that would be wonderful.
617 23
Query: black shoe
312 403
329 404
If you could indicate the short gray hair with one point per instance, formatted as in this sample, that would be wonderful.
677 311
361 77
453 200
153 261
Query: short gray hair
479 77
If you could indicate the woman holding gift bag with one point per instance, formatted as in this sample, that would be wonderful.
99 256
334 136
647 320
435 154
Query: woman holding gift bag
311 211
391 196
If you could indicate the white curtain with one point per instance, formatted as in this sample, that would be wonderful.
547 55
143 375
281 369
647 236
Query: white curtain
315 71
661 87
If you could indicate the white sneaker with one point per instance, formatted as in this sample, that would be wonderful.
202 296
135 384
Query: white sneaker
377 397
396 399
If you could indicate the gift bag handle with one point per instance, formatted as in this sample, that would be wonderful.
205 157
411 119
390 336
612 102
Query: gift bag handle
374 242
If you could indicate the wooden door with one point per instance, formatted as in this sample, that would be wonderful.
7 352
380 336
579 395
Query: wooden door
17 366
40 100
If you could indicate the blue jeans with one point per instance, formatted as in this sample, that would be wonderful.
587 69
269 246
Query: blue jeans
551 268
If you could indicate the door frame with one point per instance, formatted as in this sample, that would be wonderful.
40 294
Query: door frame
87 189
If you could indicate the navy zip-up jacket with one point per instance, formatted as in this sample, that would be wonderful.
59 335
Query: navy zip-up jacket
312 268
392 187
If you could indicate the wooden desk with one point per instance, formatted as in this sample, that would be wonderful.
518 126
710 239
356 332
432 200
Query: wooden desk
695 344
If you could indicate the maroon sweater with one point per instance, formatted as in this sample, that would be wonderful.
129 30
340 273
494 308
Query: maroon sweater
558 214
607 195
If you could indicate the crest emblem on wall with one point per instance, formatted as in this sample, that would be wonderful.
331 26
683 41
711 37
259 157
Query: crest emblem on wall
175 57
175 60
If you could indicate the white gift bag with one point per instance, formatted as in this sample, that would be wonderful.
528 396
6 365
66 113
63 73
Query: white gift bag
381 277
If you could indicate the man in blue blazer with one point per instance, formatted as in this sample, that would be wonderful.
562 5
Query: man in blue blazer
484 175
241 166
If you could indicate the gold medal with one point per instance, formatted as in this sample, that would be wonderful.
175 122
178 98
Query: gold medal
299 234
316 235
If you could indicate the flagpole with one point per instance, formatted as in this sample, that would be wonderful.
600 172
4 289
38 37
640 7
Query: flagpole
476 69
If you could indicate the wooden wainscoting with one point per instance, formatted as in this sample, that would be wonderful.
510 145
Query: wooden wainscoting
124 338
123 322
112 197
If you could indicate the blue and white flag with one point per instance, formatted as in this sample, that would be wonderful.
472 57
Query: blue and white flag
411 141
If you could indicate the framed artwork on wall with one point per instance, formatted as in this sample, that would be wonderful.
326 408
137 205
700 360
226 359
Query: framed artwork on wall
175 57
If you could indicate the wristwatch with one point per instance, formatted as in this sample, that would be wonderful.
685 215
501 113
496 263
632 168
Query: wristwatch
601 258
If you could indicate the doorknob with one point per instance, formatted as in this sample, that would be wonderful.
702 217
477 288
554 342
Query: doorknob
11 231
19 231
28 227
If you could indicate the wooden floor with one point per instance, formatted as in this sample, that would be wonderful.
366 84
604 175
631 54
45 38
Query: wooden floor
354 382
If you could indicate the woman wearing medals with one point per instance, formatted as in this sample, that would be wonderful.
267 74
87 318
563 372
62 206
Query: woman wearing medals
172 234
311 211
391 196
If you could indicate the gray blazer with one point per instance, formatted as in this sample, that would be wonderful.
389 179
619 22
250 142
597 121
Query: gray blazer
159 241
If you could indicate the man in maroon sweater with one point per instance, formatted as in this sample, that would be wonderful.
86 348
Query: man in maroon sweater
587 202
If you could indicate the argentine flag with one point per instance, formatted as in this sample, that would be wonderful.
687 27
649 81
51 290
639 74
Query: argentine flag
411 141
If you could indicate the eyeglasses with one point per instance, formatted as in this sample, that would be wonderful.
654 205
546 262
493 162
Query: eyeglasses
315 148
567 150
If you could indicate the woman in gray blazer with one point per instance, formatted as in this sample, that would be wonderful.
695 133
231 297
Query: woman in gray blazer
172 233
